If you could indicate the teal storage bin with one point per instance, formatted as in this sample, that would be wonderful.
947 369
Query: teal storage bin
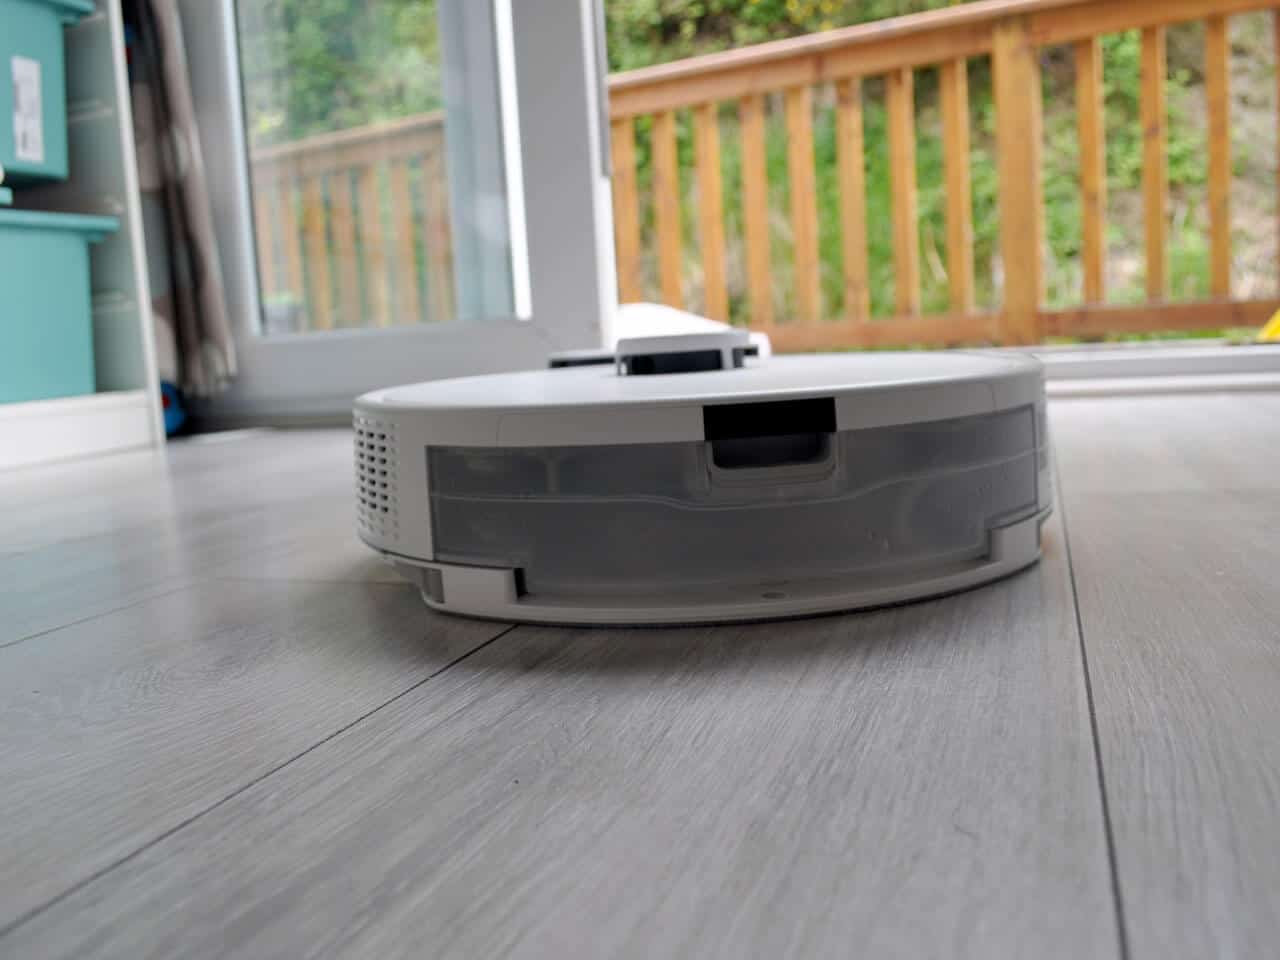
33 87
46 322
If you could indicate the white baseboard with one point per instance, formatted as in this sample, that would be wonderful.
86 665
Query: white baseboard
44 431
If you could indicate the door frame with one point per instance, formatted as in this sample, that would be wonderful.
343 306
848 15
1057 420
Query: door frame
546 65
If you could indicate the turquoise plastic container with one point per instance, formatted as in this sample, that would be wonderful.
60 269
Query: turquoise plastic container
33 87
46 322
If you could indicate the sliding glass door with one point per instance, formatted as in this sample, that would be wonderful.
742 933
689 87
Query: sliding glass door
407 189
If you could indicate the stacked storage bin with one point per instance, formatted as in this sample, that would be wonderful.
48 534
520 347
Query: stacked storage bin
46 328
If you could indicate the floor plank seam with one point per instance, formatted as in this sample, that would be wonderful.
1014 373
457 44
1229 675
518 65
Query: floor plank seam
1113 865
187 586
399 584
165 835
100 614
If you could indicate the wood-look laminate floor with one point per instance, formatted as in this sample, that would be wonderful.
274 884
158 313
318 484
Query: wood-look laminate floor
227 730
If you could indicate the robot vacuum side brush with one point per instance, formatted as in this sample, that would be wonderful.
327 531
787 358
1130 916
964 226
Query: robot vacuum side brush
694 479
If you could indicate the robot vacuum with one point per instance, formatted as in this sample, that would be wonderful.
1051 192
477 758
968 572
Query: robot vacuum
693 479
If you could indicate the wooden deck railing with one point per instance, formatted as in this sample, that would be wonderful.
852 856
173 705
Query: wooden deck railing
353 226
305 190
1012 33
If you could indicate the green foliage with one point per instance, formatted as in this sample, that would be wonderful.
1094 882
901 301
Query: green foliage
1122 83
312 66
644 32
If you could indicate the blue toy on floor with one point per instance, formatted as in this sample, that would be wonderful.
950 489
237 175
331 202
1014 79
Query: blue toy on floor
175 411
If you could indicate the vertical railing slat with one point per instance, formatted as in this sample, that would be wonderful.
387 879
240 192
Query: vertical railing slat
666 203
804 205
711 210
1093 166
954 89
1275 23
1019 135
408 301
439 246
1155 167
344 250
1217 68
371 239
264 230
291 244
755 211
626 209
900 105
851 158
320 298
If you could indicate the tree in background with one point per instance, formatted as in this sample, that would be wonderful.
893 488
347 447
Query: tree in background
313 66
645 32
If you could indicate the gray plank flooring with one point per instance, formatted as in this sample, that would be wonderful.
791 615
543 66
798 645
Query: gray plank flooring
85 539
1168 443
897 783
1173 507
225 730
150 663
117 729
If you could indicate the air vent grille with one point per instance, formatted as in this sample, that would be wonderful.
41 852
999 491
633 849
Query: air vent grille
376 502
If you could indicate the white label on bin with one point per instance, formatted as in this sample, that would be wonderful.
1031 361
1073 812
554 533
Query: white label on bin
28 116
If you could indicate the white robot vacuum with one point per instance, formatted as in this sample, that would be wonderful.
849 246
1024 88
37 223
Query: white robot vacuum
695 479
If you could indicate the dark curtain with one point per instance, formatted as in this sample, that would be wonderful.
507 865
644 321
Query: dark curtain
194 337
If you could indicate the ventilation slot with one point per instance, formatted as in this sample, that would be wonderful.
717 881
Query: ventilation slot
375 450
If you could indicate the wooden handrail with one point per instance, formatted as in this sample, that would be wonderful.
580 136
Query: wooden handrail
653 90
355 148
1093 18
937 29
352 136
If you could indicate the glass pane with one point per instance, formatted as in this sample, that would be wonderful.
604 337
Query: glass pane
347 105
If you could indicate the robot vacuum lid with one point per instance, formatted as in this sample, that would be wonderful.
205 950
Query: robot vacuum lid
605 405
